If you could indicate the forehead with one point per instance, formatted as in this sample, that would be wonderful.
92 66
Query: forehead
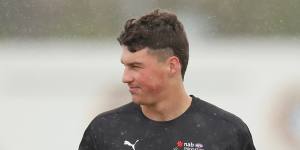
138 56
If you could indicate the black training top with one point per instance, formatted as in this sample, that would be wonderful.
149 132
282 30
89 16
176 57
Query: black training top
202 127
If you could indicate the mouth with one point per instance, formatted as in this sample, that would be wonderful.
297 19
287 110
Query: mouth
133 89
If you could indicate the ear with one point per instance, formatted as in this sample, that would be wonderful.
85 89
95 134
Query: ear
174 65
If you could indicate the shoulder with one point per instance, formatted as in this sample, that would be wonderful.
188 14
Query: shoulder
224 122
119 114
218 114
124 109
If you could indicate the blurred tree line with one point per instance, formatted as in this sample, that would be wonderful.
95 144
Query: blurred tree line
104 18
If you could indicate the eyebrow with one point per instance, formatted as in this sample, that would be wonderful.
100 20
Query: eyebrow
131 63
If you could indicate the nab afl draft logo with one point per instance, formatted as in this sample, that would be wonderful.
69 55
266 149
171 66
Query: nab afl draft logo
181 145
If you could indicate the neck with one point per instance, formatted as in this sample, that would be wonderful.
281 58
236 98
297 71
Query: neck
168 107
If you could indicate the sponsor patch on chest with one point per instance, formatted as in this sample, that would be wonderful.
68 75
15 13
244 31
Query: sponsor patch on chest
181 145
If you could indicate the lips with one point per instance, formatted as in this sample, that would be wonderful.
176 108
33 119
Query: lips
133 89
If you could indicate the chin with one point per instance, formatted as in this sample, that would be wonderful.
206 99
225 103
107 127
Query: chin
138 101
141 102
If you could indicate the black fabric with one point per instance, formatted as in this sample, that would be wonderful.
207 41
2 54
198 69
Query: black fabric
202 127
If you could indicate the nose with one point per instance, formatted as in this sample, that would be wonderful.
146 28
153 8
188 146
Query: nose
127 77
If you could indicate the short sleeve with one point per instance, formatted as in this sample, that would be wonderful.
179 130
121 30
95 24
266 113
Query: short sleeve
88 141
247 141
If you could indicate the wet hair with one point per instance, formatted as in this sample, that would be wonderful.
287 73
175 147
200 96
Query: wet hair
159 31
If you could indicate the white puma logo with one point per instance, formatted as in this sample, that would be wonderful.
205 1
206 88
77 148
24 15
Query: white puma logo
129 144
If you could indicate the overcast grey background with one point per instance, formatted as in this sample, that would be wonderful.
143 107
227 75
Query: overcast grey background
60 66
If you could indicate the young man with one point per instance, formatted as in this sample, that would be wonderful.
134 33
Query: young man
162 115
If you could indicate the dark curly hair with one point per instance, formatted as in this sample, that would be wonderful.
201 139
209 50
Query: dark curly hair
159 31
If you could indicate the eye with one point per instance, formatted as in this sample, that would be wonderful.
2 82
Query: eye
135 67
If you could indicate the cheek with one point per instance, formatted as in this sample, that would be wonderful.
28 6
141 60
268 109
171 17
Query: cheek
153 82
